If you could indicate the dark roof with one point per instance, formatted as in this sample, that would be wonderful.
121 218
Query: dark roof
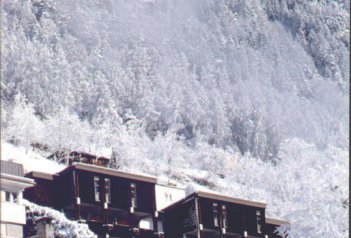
35 174
219 197
275 221
112 172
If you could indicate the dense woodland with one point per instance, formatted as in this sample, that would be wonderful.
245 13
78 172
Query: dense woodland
249 98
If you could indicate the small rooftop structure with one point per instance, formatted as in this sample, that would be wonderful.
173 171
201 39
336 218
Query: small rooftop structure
72 157
45 227
11 168
83 157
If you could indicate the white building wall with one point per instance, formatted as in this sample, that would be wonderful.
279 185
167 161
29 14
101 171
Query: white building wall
146 223
166 195
2 230
12 213
11 231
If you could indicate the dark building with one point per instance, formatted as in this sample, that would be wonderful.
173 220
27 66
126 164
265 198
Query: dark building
208 215
44 192
272 225
111 202
124 205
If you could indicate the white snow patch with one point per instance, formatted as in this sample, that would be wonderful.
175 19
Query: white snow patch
30 160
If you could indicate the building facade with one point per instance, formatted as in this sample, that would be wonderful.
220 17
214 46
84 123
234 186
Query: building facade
125 205
210 215
12 215
111 202
272 225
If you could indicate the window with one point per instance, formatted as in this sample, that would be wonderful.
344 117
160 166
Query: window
168 197
97 188
11 197
224 216
14 198
107 190
259 221
7 196
133 195
215 214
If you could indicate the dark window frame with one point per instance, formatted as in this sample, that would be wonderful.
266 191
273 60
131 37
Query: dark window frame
11 197
97 189
259 221
107 190
215 209
14 197
133 195
7 196
224 216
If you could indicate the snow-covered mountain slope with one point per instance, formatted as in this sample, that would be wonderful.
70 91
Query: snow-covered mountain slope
252 91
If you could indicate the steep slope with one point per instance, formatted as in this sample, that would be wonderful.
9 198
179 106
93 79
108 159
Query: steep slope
190 84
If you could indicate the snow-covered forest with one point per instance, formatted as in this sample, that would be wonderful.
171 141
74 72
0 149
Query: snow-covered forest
248 98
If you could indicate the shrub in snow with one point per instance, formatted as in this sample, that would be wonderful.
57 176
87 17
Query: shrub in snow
190 189
64 228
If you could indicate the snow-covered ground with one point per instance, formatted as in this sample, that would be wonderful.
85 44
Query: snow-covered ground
293 188
246 98
31 160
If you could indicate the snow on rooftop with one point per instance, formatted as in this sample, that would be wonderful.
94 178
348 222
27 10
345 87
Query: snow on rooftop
31 160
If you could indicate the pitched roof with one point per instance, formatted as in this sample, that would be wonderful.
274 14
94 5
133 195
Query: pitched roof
36 174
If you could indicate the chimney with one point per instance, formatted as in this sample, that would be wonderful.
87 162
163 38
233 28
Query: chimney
45 228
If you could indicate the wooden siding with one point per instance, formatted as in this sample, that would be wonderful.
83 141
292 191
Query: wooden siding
271 226
271 231
180 219
79 183
43 193
120 192
64 184
240 217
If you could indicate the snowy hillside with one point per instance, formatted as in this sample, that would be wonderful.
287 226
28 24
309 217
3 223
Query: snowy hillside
249 98
32 160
